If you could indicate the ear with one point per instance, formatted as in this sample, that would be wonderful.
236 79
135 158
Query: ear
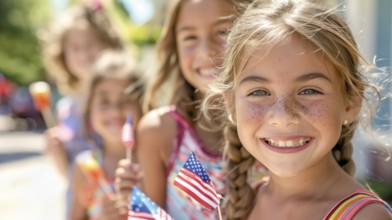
353 107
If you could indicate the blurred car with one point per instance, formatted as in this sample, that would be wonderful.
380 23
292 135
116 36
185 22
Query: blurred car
23 110
5 90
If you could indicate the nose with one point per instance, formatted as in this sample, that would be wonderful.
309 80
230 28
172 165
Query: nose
284 112
207 48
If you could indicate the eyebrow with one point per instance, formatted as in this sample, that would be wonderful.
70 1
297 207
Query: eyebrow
311 76
221 20
303 78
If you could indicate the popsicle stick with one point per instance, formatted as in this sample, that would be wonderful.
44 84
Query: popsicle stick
105 186
48 117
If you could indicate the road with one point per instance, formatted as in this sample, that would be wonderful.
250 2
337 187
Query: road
30 187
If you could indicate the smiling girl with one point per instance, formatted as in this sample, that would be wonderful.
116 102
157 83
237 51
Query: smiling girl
293 90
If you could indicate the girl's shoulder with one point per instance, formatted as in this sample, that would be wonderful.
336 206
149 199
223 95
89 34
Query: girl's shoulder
156 132
158 120
361 204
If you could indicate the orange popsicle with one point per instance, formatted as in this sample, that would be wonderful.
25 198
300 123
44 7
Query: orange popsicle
91 168
89 165
40 91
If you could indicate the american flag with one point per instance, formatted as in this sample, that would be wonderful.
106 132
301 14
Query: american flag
127 135
195 182
141 207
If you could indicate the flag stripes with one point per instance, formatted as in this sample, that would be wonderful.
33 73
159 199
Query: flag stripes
139 215
194 181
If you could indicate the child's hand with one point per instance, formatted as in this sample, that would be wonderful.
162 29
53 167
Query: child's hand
127 176
55 148
53 144
110 211
86 193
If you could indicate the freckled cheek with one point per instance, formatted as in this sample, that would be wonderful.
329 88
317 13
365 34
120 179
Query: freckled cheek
319 113
251 113
186 51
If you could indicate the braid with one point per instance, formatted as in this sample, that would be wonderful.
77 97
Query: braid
239 192
343 150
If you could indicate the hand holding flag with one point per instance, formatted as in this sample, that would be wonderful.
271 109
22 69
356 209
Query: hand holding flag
195 182
141 207
127 136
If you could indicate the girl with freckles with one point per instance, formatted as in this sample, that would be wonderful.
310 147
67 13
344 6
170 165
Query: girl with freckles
292 90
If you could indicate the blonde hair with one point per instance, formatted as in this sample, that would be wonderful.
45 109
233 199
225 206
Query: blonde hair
266 25
115 64
52 37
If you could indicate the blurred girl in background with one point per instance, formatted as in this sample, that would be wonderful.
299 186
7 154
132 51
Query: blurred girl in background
106 112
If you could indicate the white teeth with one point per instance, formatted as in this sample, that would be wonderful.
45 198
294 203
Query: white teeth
289 143
207 72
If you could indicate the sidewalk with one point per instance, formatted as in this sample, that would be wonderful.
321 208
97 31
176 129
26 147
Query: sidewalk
30 187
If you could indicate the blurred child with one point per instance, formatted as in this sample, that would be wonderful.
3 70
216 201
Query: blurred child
293 89
107 109
190 52
71 44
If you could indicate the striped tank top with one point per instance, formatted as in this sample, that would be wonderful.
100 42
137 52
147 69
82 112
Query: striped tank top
178 204
348 207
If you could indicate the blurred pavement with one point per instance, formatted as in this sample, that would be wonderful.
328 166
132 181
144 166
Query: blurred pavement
30 187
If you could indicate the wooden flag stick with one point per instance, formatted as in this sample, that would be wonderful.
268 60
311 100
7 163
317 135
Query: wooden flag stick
220 198
129 154
219 213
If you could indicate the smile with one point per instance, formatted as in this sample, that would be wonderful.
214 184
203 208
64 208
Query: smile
287 143
207 72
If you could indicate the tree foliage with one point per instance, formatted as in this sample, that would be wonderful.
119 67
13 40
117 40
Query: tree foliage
20 59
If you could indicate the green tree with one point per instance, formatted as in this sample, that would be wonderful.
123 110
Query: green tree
20 58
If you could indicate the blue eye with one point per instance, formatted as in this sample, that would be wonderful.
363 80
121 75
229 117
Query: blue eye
309 92
259 92
189 37
223 32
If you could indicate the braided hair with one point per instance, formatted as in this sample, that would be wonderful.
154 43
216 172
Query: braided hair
266 24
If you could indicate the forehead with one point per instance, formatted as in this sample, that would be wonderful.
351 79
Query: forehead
292 55
80 33
111 86
203 12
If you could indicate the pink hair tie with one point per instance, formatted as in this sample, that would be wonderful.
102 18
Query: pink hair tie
96 5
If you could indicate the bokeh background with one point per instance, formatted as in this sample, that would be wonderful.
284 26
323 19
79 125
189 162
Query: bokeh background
30 188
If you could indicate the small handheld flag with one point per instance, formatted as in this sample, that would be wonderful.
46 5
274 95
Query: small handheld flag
195 182
127 136
141 207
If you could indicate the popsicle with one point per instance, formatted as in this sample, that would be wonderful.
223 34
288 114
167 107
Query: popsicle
40 92
91 168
